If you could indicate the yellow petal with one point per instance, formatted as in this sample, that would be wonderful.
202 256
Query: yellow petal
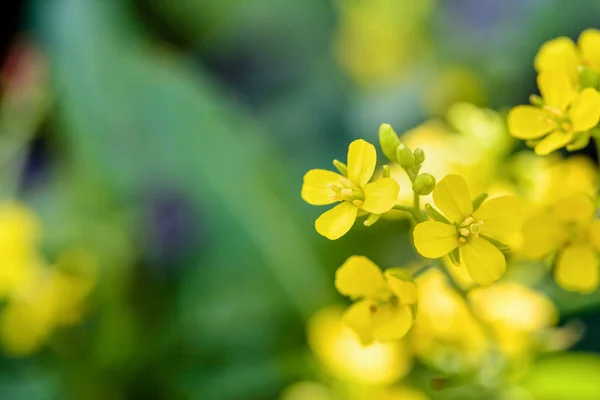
360 277
452 197
595 235
435 239
483 260
529 122
577 269
391 322
589 43
381 195
577 208
556 88
552 142
542 235
501 216
362 158
400 282
560 53
316 190
359 318
585 110
336 222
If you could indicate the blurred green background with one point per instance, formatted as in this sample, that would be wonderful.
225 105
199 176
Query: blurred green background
170 137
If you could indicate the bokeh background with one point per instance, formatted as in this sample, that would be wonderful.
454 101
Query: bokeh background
167 139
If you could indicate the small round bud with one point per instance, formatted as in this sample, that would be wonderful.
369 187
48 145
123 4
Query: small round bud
587 78
405 157
536 100
419 155
389 142
424 184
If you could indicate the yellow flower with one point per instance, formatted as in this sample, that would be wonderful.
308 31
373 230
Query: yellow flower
53 299
564 118
445 334
322 187
516 315
384 310
468 229
569 228
341 352
563 54
19 231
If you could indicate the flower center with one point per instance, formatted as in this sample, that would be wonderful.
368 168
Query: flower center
469 228
347 191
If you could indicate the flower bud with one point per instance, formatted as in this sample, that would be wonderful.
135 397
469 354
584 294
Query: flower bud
587 78
536 100
419 155
389 142
405 157
424 184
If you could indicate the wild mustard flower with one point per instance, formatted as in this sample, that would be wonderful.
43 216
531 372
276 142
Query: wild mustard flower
563 54
351 190
385 301
19 231
569 229
563 118
469 229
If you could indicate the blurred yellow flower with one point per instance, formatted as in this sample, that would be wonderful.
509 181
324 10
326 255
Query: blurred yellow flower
322 187
19 231
564 118
445 335
384 310
55 298
469 229
515 313
567 226
563 54
344 356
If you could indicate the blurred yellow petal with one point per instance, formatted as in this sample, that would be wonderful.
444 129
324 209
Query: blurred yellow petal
336 222
552 142
585 110
542 235
359 318
391 322
529 122
577 269
435 239
362 159
381 195
400 282
316 188
556 88
484 261
560 53
501 215
576 208
360 277
595 234
589 43
451 196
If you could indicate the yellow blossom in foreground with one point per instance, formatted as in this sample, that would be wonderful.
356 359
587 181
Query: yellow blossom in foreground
19 231
569 228
563 54
468 229
515 313
340 351
322 187
445 335
564 118
384 310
